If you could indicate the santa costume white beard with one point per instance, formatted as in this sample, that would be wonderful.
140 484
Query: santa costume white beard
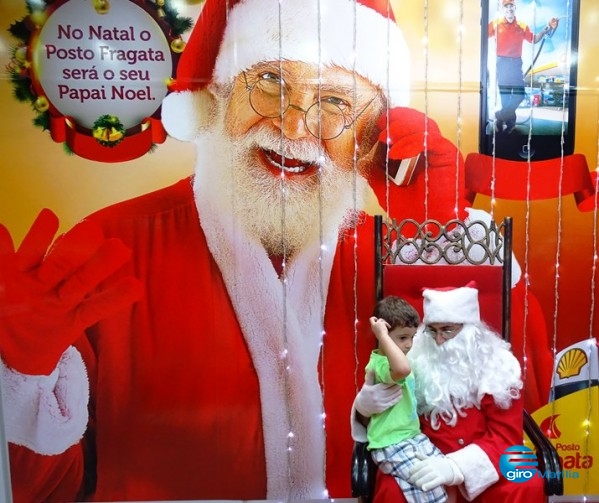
457 374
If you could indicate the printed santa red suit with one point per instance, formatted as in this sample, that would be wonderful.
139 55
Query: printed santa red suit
175 408
174 394
175 397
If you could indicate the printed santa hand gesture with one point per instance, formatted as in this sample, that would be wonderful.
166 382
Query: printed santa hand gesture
49 294
413 161
408 132
432 472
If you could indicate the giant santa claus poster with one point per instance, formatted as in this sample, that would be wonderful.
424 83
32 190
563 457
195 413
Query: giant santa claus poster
200 330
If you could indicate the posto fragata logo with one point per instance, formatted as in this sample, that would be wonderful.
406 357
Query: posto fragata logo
518 463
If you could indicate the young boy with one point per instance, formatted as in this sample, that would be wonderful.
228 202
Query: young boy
394 436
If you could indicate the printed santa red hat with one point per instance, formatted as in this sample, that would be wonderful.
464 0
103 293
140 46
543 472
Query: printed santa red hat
451 305
233 35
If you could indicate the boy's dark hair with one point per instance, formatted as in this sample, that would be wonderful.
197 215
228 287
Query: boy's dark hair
397 312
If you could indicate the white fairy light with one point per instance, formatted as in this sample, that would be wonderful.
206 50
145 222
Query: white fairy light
459 108
591 405
425 41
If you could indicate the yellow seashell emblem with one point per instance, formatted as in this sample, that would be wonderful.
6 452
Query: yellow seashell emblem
571 363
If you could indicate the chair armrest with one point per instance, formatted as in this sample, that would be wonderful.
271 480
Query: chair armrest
546 456
363 473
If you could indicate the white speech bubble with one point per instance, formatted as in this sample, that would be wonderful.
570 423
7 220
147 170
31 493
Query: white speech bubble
91 64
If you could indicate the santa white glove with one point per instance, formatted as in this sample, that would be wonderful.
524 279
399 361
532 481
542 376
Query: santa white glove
432 472
375 398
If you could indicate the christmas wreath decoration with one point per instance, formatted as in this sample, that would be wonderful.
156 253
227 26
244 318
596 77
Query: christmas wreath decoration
107 130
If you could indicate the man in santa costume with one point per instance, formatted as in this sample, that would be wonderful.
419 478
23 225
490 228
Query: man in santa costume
469 394
176 346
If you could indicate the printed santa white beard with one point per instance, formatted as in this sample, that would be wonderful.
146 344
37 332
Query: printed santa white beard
286 212
240 204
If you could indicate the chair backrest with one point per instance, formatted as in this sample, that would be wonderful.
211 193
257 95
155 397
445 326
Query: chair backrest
413 255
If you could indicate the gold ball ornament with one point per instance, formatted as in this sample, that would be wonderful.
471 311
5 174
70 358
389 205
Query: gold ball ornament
38 18
101 6
21 54
41 104
170 83
160 10
178 45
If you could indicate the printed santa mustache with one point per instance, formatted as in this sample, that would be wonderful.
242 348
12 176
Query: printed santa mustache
286 212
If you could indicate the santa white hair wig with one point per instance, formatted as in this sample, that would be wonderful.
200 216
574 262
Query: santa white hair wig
457 374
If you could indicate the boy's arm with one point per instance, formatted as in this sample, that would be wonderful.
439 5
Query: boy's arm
399 367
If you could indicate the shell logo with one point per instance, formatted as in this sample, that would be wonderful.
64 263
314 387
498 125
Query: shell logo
571 363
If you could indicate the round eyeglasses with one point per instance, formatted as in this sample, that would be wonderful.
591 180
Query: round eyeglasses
446 332
324 119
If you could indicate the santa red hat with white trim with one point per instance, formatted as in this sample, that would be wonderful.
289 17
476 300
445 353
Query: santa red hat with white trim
451 305
233 35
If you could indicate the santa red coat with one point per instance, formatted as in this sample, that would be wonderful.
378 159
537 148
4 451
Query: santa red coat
174 395
486 432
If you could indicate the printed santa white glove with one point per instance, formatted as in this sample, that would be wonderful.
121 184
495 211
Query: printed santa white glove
432 472
375 398
52 290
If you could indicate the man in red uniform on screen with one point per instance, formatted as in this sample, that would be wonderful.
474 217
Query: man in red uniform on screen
204 341
510 35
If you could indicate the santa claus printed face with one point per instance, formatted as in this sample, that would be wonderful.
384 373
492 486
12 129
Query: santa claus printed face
288 187
329 107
